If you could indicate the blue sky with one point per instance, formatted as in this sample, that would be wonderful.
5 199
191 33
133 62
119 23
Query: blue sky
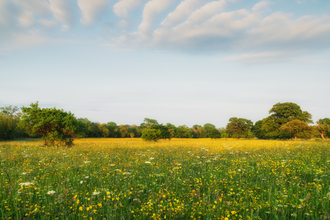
185 62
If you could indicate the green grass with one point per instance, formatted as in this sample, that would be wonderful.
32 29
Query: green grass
177 179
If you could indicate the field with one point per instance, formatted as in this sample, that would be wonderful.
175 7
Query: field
176 179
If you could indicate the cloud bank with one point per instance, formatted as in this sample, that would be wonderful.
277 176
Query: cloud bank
190 25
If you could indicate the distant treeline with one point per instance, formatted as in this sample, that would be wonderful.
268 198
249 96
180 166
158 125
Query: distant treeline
286 121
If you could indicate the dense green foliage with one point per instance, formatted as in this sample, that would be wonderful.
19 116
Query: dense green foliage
297 128
323 128
9 117
281 114
53 125
153 131
272 127
7 127
239 128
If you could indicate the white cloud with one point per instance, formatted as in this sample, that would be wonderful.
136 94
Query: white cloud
261 57
278 30
123 23
184 9
37 7
91 10
29 38
122 8
26 19
63 11
261 6
151 9
214 32
65 28
48 23
202 14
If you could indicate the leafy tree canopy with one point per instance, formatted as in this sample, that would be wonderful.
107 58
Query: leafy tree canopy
239 128
281 113
9 118
148 123
288 111
12 111
155 133
50 123
323 128
297 128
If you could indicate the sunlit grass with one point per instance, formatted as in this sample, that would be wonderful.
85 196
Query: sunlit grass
176 179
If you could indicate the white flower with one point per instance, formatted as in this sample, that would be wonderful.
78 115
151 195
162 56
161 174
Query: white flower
86 161
26 184
147 162
87 177
96 193
51 192
151 158
112 165
81 182
23 173
239 170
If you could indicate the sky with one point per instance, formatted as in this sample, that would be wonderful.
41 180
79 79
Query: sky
183 62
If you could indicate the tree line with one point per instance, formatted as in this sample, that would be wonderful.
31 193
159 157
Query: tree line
286 121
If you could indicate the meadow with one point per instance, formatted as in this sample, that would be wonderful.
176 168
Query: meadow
176 179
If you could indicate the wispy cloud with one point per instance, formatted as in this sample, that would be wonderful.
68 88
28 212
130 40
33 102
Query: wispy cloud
123 7
151 10
64 12
91 10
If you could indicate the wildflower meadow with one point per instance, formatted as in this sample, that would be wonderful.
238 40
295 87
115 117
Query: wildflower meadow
130 178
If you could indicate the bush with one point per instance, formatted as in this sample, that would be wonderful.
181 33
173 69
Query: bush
7 127
53 125
151 134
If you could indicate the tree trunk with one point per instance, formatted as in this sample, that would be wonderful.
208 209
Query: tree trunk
322 136
295 138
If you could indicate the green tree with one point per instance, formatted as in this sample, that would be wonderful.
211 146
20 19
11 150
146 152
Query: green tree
155 133
171 128
151 134
239 128
123 129
183 131
281 113
148 123
9 118
297 128
53 125
197 131
258 131
7 127
288 111
104 129
208 129
134 131
215 133
113 129
323 127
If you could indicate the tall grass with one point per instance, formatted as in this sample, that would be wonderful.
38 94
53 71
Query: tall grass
177 179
